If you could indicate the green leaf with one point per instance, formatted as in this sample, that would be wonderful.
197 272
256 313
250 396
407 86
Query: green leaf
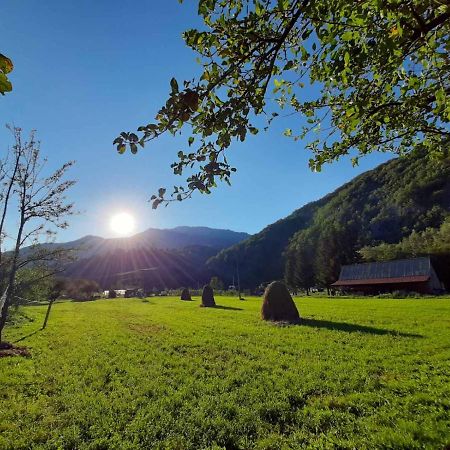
346 58
278 83
6 65
5 84
440 96
283 5
347 36
259 10
174 85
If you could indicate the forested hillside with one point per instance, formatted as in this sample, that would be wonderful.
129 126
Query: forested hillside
308 247
433 242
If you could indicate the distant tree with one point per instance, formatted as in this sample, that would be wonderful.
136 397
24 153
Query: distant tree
430 241
6 66
112 293
216 283
81 289
55 290
41 207
299 268
88 288
380 70
32 284
335 247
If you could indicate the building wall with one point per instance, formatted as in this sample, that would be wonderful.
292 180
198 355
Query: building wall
435 283
419 287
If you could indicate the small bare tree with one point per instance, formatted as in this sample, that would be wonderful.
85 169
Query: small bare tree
42 207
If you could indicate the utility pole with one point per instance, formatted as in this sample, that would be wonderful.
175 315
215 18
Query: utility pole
238 277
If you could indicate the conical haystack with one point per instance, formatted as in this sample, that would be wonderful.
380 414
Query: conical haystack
278 305
185 294
208 297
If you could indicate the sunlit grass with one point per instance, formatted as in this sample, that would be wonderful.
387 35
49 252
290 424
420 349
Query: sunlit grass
167 374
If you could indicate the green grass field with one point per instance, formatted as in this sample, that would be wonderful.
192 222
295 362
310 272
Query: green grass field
166 374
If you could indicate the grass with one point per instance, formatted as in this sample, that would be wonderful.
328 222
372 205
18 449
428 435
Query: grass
166 374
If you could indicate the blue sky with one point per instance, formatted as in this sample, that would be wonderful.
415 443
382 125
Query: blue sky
86 70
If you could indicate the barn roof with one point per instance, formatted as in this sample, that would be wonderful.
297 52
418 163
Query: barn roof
398 271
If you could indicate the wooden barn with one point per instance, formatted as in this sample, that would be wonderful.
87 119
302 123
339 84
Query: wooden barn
412 275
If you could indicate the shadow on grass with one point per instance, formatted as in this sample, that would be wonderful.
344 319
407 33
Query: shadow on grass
35 303
230 308
27 335
352 328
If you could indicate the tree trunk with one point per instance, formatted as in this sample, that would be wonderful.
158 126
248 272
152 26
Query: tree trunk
49 308
238 279
1 328
12 276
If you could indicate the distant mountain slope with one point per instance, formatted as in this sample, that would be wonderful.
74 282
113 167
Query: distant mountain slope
146 268
176 256
181 237
382 205
152 238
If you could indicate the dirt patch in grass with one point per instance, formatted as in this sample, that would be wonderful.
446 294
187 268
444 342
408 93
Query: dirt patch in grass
146 328
7 349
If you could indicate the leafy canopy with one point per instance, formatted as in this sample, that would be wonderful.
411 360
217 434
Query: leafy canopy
380 67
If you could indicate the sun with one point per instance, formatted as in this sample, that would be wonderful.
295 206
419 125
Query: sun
122 224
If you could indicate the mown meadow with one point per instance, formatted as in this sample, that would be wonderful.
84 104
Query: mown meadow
165 374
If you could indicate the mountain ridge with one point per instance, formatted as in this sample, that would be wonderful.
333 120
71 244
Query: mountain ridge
178 256
160 238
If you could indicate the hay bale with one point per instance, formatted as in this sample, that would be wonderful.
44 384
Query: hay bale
278 305
208 297
185 294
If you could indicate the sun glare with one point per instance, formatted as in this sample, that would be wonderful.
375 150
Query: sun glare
122 224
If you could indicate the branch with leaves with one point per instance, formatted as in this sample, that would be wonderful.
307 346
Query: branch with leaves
381 70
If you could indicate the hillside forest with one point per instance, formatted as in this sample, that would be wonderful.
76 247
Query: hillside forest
397 210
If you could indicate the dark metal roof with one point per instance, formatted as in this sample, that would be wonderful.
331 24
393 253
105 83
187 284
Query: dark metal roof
416 279
399 268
